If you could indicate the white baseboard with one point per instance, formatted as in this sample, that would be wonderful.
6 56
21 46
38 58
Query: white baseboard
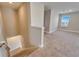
70 31
41 46
47 32
42 38
36 26
55 29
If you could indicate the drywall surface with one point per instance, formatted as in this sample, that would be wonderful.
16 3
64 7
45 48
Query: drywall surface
74 21
9 21
2 39
37 14
1 34
47 14
24 23
1 29
54 20
36 36
37 22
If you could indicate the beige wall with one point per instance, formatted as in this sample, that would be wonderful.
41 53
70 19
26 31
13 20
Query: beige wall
24 22
9 21
17 22
2 37
74 21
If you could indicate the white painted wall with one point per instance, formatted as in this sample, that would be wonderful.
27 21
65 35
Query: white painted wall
54 20
37 14
37 21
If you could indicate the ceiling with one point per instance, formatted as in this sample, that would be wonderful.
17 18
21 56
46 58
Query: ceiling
13 5
60 6
63 6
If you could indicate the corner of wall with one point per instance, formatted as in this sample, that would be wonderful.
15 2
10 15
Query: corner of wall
41 46
53 30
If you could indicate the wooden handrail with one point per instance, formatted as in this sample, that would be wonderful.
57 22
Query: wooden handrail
6 47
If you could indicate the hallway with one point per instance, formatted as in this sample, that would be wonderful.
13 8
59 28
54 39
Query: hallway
59 44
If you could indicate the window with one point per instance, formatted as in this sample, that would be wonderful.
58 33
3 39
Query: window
65 21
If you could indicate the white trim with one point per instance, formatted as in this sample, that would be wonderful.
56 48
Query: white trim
35 26
47 32
55 29
41 46
70 31
42 38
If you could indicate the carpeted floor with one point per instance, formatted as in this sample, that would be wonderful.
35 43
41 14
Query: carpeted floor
59 44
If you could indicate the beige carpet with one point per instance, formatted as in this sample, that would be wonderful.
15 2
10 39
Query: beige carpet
59 44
